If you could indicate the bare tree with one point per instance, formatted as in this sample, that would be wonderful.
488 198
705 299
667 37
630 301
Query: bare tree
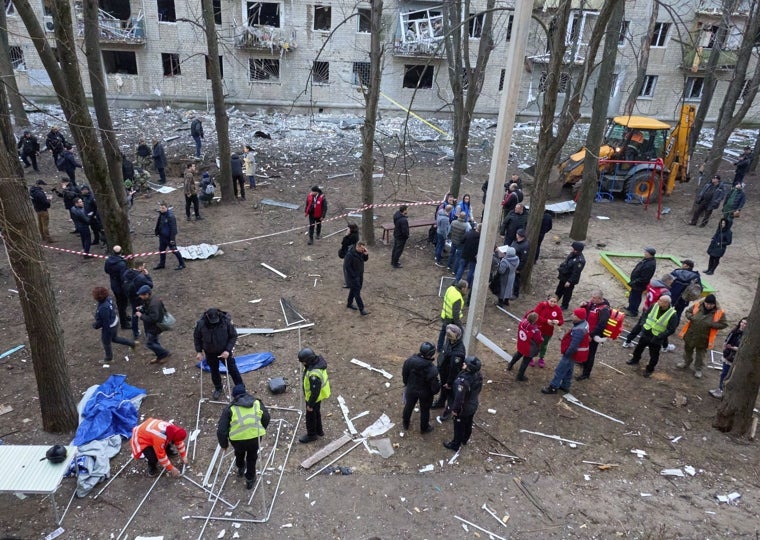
371 94
7 76
466 80
643 60
738 98
220 110
599 107
67 83
551 140
741 388
30 271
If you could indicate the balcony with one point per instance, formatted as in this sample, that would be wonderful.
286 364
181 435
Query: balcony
714 8
265 39
695 60
113 30
428 48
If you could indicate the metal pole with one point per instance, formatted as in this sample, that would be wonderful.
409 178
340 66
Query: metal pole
229 504
131 459
498 173
59 521
336 459
216 498
489 533
141 503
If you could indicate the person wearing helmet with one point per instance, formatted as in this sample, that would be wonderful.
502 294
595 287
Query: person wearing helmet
420 378
467 388
152 439
316 388
449 365
215 336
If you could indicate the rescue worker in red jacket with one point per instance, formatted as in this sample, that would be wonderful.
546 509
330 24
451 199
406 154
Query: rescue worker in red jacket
574 347
316 210
528 342
152 439
549 316
597 314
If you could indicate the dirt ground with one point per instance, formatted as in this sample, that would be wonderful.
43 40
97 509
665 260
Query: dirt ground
563 497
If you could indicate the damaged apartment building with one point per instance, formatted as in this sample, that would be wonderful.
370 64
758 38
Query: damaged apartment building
304 54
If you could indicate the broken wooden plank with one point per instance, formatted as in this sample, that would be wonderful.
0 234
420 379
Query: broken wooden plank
326 451
289 206
501 353
346 417
575 401
265 265
4 409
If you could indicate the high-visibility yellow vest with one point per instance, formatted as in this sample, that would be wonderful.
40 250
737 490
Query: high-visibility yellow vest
324 392
449 299
246 422
658 325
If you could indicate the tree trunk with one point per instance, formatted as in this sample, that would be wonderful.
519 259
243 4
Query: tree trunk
643 63
729 117
599 107
220 110
741 388
711 81
29 268
8 77
100 99
549 143
67 83
371 98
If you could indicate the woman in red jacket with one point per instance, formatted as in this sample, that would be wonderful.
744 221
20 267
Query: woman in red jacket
549 315
528 341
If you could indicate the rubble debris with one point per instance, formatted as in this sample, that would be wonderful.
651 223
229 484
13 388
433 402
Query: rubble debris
575 401
289 206
671 472
730 498
555 437
639 453
680 400
427 468
369 367
343 471
265 265
326 451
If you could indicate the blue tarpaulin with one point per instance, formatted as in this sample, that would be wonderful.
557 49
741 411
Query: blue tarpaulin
245 363
109 411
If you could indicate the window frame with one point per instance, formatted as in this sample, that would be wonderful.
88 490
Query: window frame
688 90
475 25
358 74
271 77
115 54
173 63
648 87
19 62
221 66
365 14
251 5
625 29
660 38
426 71
327 8
320 72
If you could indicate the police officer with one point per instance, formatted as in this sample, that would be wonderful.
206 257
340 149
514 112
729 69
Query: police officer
450 363
420 378
316 388
243 422
467 388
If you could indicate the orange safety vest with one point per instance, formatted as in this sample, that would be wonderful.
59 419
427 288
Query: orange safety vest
713 331
152 432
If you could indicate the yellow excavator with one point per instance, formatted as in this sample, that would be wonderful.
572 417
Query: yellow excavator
636 146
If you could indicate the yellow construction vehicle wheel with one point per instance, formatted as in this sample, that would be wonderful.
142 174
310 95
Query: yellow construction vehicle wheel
641 185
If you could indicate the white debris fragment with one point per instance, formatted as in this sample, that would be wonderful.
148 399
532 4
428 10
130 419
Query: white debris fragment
586 477
221 533
465 527
645 494
728 499
236 524
427 468
286 526
676 439
169 370
236 535
671 472
106 365
307 495
691 471
492 411
194 434
227 514
639 453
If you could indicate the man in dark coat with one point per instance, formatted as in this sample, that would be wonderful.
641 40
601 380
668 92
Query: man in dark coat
159 160
734 202
69 193
521 246
70 163
166 230
420 377
708 199
450 363
196 132
469 257
547 222
243 423
720 241
29 149
215 336
115 267
151 312
682 278
132 280
467 388
81 221
91 207
640 277
41 204
516 219
55 142
353 270
400 234
742 166
238 178
569 274
127 168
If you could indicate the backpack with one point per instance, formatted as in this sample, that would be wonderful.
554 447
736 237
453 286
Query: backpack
692 291
60 163
128 283
210 189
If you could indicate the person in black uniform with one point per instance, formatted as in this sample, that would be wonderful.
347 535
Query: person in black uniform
466 391
640 277
215 336
30 149
400 234
420 378
449 365
132 281
569 274
115 267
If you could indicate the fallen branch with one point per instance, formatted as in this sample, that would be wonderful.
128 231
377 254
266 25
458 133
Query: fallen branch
484 430
532 498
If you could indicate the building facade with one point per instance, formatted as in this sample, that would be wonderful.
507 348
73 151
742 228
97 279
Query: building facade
300 54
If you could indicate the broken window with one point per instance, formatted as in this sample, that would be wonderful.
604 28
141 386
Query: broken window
320 72
564 79
264 13
217 7
648 86
423 25
16 55
418 76
708 35
361 72
614 84
502 77
264 69
170 61
122 62
9 8
746 87
208 65
465 79
365 20
660 35
119 9
166 11
475 23
322 17
624 27
510 21
694 87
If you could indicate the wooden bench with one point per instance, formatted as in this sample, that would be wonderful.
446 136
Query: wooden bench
413 223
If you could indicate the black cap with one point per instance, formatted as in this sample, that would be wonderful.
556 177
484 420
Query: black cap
521 232
212 316
578 246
